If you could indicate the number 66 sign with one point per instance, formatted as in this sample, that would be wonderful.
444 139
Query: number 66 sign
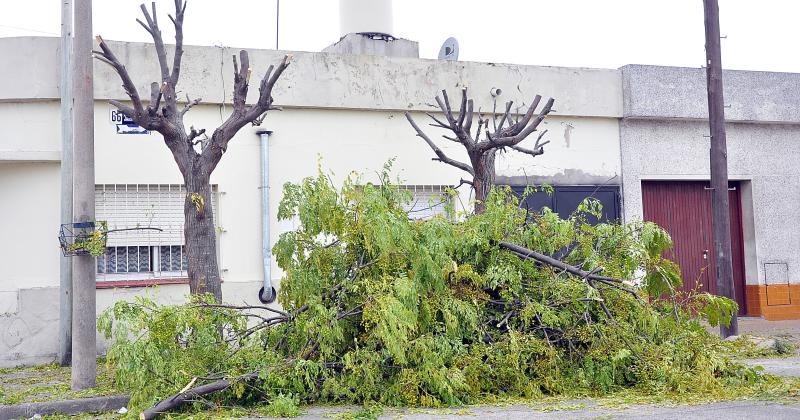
125 125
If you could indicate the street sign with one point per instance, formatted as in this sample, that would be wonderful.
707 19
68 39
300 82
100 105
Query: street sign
125 125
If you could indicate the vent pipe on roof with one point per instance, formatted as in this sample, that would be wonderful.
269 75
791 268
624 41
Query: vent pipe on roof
365 16
366 28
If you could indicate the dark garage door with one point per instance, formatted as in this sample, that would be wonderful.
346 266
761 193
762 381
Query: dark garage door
683 208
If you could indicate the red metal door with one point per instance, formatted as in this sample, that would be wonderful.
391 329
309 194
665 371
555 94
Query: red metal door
683 208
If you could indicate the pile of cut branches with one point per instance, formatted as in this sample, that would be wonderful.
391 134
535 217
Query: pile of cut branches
446 311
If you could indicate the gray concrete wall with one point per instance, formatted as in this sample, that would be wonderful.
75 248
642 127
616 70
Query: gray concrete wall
663 137
680 93
319 80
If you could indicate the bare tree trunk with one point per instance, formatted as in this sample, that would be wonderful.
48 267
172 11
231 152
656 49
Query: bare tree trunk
200 236
484 178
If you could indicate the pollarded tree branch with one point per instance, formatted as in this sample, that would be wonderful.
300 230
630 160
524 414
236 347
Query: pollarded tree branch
519 131
241 82
169 80
456 124
177 21
242 114
107 56
463 109
463 182
155 32
441 157
506 114
190 103
193 134
153 118
538 148
437 122
469 113
156 93
445 107
519 125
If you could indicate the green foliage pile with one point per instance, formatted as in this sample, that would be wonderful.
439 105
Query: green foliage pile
380 308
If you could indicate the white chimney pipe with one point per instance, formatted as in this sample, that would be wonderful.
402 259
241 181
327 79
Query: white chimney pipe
359 16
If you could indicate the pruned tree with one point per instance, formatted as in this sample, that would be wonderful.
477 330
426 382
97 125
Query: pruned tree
195 154
508 132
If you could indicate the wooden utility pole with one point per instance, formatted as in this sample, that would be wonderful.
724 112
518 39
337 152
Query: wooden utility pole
65 290
84 318
719 162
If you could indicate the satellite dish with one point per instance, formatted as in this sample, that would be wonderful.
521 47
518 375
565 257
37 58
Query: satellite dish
449 50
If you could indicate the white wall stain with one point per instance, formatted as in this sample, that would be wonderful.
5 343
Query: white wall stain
567 133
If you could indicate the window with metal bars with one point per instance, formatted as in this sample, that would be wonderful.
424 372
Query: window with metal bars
162 261
427 201
143 254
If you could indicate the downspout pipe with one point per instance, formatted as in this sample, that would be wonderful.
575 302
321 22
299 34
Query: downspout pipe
267 294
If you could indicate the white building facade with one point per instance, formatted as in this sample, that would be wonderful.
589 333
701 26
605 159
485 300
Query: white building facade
633 137
342 112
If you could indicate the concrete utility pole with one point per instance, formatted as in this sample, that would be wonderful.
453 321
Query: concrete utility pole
65 291
719 162
84 320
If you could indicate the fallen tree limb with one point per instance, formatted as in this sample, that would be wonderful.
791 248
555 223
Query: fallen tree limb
190 394
537 256
589 276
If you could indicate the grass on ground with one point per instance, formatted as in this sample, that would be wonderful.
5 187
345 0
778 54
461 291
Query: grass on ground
48 383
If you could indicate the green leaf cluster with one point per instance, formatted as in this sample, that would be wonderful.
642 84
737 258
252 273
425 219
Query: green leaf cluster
381 308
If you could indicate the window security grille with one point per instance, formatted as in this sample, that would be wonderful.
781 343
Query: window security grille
125 259
427 202
143 253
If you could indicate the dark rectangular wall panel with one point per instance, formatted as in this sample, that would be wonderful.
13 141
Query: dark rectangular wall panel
566 198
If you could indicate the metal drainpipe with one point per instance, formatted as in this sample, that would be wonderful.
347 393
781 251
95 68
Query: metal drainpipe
267 293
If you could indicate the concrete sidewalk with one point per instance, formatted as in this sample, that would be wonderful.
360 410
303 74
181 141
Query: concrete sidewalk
718 411
763 328
788 367
786 330
751 410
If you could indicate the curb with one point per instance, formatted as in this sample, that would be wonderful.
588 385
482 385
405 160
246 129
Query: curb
82 405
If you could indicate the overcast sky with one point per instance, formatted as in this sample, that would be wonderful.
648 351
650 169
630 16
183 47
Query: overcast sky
761 34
